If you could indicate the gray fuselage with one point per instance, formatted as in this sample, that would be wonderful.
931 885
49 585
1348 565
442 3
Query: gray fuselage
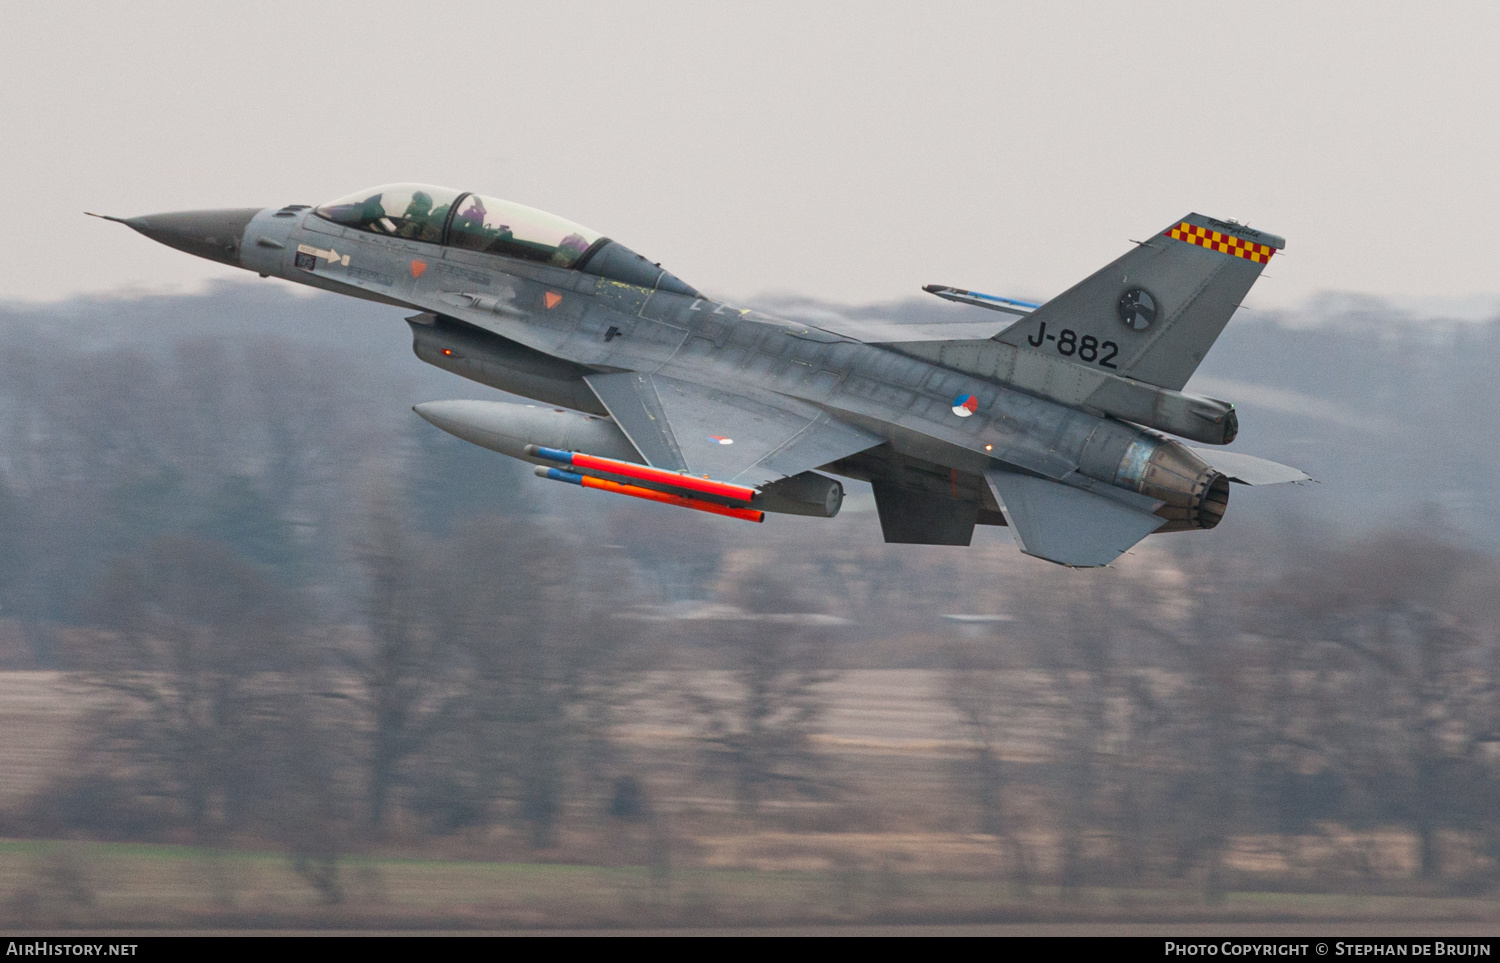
580 323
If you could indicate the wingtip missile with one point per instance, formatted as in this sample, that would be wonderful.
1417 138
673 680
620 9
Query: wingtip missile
980 300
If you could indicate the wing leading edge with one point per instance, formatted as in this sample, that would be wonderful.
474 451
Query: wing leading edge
724 435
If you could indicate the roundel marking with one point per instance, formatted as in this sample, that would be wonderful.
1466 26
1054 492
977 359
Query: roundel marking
965 405
720 439
1137 309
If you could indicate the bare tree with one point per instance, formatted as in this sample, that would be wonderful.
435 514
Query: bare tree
502 665
757 734
991 714
401 672
1393 626
201 662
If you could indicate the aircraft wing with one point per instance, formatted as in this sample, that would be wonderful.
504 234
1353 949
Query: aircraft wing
1068 525
725 435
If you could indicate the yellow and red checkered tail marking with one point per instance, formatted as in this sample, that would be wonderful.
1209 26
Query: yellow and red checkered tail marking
1223 243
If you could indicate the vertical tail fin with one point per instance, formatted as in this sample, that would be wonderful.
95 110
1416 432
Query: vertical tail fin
1153 314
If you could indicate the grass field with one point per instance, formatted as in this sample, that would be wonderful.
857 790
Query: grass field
894 846
143 887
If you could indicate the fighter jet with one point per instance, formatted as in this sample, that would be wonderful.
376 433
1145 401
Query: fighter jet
1053 419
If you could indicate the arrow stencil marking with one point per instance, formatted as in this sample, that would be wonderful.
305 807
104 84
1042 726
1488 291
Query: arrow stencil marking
330 255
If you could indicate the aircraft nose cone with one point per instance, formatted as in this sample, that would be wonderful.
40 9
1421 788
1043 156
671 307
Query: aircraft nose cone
215 235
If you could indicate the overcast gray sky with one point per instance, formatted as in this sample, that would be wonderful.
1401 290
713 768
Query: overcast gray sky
850 152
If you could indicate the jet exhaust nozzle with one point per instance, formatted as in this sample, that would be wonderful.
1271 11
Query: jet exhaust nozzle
1191 492
1194 494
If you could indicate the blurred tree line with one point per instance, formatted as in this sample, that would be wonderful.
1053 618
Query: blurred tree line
306 616
1313 702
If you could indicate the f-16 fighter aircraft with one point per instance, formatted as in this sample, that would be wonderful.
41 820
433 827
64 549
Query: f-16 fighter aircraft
1054 423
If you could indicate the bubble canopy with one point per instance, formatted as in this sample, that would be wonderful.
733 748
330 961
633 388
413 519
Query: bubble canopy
462 219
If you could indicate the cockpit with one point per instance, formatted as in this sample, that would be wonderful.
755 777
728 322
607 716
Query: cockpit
437 215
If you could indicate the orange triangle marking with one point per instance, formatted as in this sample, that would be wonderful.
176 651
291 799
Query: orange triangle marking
417 267
552 298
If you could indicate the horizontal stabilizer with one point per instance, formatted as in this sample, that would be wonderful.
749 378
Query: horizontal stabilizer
1250 470
1067 525
991 301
